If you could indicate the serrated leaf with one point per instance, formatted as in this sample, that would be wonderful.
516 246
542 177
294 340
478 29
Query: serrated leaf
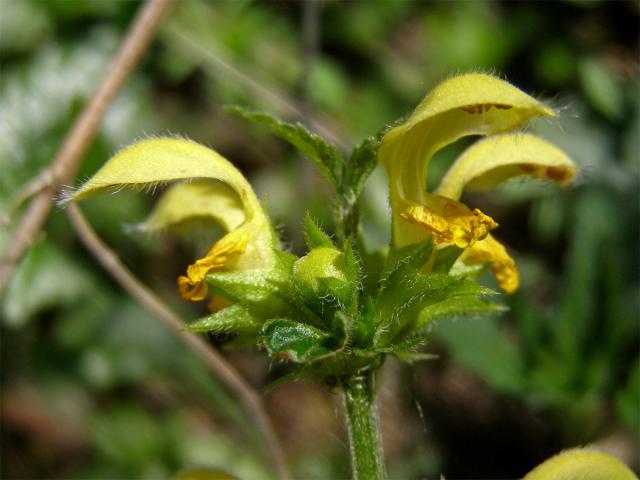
399 261
314 235
445 258
340 331
457 306
405 345
265 293
364 325
372 262
405 296
412 357
284 263
325 156
290 340
351 264
320 283
362 162
234 318
353 274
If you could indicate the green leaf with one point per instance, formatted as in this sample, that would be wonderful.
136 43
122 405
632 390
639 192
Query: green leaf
353 273
340 331
592 232
457 306
405 296
265 293
325 156
320 282
409 258
412 357
362 162
234 318
315 236
407 344
297 374
36 286
373 263
351 264
290 340
601 87
485 350
445 258
364 326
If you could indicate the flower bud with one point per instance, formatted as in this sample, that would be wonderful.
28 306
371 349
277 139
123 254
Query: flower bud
320 279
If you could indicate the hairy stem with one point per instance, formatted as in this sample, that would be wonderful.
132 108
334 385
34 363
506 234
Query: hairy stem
361 413
347 219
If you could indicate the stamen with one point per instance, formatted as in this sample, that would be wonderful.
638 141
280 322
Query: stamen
456 224
193 286
500 262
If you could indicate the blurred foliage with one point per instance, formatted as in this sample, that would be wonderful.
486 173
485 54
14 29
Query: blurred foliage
94 387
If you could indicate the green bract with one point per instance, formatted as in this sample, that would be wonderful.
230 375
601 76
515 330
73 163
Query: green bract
320 279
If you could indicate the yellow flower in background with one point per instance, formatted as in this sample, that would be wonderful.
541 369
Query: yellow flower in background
213 189
472 104
581 463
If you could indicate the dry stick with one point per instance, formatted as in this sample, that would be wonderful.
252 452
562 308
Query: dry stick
65 164
214 361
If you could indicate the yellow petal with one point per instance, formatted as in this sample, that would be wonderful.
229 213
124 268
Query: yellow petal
161 160
193 286
217 191
449 221
584 464
196 200
480 94
497 158
490 251
472 104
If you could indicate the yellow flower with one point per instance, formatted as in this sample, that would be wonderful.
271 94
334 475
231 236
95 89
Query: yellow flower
213 189
581 463
472 104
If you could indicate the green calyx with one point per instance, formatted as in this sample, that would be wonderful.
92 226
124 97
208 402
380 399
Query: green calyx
320 280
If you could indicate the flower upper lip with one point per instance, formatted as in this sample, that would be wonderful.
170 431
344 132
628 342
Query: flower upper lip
472 104
213 188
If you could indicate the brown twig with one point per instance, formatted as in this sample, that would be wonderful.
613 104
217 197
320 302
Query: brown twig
67 160
214 361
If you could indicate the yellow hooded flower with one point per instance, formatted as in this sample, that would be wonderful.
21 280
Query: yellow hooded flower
472 104
213 190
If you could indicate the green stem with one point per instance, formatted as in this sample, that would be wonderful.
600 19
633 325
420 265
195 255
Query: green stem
362 423
346 214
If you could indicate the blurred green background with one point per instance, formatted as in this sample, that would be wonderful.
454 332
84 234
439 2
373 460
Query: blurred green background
95 387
